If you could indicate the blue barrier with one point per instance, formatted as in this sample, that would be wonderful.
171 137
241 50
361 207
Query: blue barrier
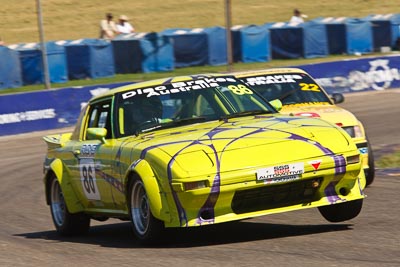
21 113
296 40
347 35
251 43
143 52
216 37
190 46
183 47
30 57
364 74
89 58
43 110
286 40
381 31
9 77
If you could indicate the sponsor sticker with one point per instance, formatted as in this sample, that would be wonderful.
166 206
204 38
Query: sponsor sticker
315 164
281 173
273 79
177 87
308 114
363 150
30 115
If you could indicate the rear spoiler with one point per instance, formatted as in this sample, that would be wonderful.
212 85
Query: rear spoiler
56 140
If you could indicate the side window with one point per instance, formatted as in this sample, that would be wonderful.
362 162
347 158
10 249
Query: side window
100 117
202 107
103 119
79 124
93 119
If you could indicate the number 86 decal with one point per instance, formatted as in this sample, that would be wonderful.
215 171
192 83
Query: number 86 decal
88 179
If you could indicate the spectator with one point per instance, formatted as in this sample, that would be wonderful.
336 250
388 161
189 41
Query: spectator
107 27
297 17
1 41
124 26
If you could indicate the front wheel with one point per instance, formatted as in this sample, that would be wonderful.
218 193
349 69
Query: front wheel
342 211
146 227
66 223
370 173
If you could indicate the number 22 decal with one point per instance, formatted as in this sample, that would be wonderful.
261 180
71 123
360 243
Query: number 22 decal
88 179
309 87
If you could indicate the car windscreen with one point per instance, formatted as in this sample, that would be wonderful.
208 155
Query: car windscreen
186 102
291 88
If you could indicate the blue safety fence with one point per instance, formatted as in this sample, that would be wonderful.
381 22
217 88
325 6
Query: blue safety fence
198 47
185 47
190 46
88 58
251 43
10 77
348 35
297 40
30 57
143 52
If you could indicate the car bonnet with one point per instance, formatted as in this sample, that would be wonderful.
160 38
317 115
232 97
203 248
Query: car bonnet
249 141
325 111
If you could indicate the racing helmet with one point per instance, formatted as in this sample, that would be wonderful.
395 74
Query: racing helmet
146 109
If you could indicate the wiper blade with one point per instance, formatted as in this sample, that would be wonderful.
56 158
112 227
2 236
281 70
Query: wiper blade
181 122
244 114
186 121
147 126
151 128
170 124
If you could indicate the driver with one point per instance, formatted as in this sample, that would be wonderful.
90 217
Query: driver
145 111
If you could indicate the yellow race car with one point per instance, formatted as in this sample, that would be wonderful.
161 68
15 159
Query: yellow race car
301 95
192 151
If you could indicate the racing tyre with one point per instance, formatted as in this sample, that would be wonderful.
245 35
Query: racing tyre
145 226
341 212
67 224
370 173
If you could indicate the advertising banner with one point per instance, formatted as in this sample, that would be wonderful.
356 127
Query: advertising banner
43 110
364 74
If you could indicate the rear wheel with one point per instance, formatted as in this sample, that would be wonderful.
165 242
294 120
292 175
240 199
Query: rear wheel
66 223
342 211
146 227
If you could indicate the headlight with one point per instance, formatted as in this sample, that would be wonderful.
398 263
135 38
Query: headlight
357 131
354 131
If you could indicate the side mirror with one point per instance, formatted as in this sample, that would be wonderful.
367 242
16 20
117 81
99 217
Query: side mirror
277 104
337 98
96 134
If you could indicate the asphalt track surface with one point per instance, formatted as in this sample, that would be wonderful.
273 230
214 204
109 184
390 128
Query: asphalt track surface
300 238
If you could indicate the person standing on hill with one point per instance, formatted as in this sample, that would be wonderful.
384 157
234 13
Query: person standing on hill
124 26
107 27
